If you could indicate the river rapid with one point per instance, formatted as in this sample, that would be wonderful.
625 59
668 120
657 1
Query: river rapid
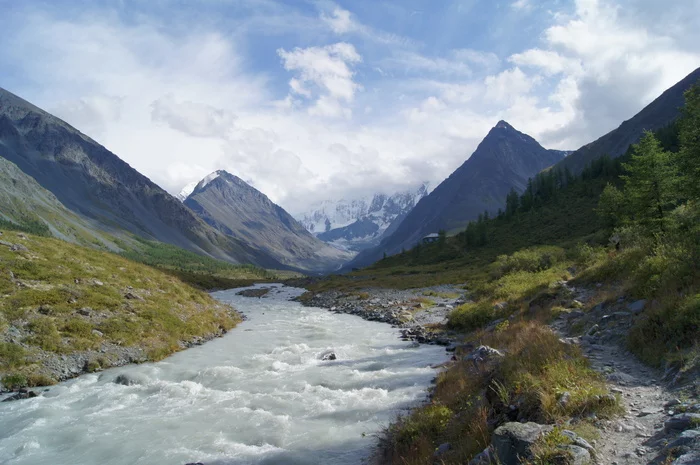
259 395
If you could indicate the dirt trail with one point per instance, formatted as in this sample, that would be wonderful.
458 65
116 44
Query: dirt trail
638 437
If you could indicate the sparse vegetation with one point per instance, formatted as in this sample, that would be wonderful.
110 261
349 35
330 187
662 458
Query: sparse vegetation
64 298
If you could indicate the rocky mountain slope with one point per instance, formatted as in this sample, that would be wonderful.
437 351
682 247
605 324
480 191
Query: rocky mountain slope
505 159
361 223
658 114
103 190
240 211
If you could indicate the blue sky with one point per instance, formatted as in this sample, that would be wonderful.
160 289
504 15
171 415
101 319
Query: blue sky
311 100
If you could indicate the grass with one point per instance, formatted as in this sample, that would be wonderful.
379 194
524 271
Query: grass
66 298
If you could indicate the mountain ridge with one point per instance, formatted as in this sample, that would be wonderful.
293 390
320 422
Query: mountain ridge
238 210
504 160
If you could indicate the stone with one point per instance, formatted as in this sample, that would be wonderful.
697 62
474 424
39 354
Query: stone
97 333
682 422
18 248
500 305
578 440
132 296
592 331
97 282
485 457
672 403
637 306
579 455
442 448
565 398
328 356
21 395
85 311
648 411
690 458
483 355
512 442
686 438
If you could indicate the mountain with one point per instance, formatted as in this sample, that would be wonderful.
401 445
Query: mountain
186 191
361 223
505 159
658 114
101 189
238 210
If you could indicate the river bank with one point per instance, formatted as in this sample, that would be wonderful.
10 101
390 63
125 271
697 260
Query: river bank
263 394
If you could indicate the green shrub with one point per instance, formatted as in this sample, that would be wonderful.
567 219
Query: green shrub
426 422
532 260
14 381
471 316
45 334
11 355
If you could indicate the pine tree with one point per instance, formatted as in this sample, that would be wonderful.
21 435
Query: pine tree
650 183
689 135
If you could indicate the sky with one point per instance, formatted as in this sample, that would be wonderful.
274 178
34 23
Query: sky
320 99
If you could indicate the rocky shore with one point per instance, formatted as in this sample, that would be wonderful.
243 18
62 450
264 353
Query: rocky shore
420 313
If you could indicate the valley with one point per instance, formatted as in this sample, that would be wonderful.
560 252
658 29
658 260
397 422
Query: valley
536 307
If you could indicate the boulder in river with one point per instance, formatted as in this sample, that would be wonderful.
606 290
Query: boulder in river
21 394
327 356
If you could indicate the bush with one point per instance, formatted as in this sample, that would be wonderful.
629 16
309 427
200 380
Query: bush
45 334
427 422
470 316
532 260
11 355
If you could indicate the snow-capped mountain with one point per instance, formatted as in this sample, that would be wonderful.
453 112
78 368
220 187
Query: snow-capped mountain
186 191
360 223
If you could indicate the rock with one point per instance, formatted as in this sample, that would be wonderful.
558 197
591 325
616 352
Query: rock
97 282
85 311
648 411
565 398
672 403
682 422
132 296
21 395
194 463
579 455
500 305
97 333
578 440
125 380
513 441
442 448
637 307
592 331
18 248
485 457
686 438
690 458
327 356
483 355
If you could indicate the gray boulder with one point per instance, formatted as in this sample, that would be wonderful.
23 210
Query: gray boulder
637 307
512 442
682 422
579 455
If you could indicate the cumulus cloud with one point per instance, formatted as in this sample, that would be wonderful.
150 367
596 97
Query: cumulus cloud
326 69
178 102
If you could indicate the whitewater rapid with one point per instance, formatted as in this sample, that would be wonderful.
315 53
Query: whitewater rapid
259 395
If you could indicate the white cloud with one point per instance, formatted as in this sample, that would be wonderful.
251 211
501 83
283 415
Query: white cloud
180 104
340 21
522 5
329 71
195 119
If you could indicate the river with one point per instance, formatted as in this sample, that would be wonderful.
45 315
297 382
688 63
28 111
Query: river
259 395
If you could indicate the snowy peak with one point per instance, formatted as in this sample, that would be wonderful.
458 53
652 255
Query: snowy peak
359 223
186 191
